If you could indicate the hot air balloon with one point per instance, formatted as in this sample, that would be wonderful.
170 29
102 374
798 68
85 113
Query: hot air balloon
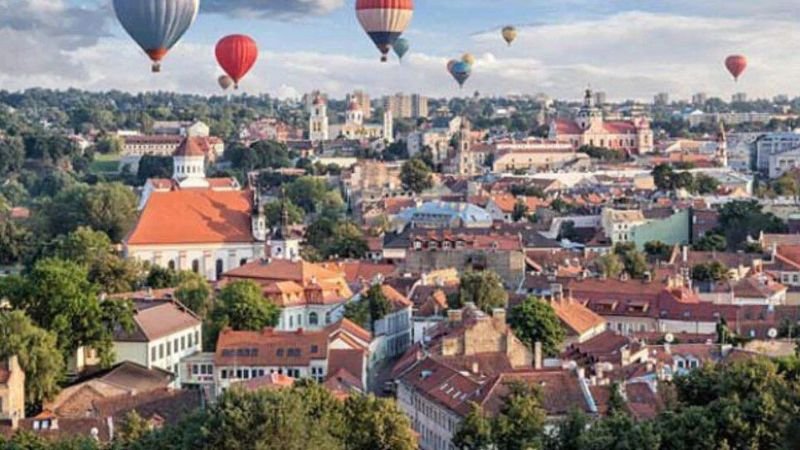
509 34
156 25
236 54
736 65
384 21
468 58
461 72
401 47
224 82
450 65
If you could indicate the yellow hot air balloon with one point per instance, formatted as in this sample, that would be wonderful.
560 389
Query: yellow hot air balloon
468 58
509 34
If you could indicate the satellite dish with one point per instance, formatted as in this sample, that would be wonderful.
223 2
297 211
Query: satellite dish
669 338
772 333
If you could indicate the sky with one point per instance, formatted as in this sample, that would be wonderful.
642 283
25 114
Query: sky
630 49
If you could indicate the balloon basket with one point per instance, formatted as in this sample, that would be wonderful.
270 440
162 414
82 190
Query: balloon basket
156 67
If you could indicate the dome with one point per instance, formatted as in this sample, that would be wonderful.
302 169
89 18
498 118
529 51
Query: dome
354 106
191 146
318 100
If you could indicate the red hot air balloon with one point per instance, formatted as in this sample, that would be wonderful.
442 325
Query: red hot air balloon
236 55
736 65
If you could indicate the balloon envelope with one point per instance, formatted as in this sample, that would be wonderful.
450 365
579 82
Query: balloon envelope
509 34
736 65
450 65
225 82
236 55
384 20
156 25
401 47
468 58
461 72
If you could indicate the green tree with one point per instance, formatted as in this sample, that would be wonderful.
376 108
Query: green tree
16 241
711 242
154 166
663 176
739 220
705 184
372 306
347 242
241 306
610 265
710 271
534 320
416 175
484 289
376 424
161 277
520 424
132 429
12 155
658 250
58 296
37 353
520 211
475 431
308 193
273 211
109 145
194 292
687 429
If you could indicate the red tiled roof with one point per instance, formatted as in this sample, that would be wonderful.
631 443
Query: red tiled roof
191 146
194 217
565 126
620 127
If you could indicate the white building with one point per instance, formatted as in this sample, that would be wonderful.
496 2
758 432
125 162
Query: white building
207 225
318 127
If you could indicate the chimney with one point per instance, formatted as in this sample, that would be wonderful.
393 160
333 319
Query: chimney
537 355
499 314
454 315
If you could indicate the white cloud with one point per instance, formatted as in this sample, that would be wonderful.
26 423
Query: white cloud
272 9
629 55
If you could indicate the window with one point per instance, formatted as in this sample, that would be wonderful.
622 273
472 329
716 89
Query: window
190 339
197 338
171 264
224 374
291 321
243 261
152 354
175 345
183 343
194 369
169 349
196 266
220 268
313 319
160 351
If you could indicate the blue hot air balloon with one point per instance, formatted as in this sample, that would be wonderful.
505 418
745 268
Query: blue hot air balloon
401 47
461 71
156 25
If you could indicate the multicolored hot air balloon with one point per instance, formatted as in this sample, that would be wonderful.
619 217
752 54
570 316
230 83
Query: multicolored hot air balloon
736 65
450 65
224 82
468 58
401 47
384 21
156 25
509 34
236 54
460 71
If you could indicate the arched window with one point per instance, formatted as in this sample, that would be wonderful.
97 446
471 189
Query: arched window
196 266
220 267
171 264
313 319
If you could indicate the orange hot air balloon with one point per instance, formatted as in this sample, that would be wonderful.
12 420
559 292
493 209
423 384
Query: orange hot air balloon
236 55
736 65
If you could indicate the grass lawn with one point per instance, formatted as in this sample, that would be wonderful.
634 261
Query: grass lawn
105 164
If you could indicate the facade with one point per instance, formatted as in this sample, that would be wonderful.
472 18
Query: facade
783 162
164 333
214 226
311 296
12 391
675 229
444 215
134 147
355 127
774 144
392 333
618 224
339 351
318 127
590 128
419 106
430 250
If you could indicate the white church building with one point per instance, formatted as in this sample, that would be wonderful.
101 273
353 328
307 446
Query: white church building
190 222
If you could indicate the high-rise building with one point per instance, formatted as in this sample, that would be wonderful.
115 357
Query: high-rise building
739 97
399 104
662 98
419 106
699 99
600 98
362 99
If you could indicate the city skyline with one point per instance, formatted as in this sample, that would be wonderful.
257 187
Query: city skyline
625 49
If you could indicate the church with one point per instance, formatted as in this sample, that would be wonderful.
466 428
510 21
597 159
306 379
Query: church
589 128
354 128
190 222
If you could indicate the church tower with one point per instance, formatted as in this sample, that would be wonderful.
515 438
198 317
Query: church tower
189 164
318 121
258 220
590 116
464 159
354 116
722 146
282 245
